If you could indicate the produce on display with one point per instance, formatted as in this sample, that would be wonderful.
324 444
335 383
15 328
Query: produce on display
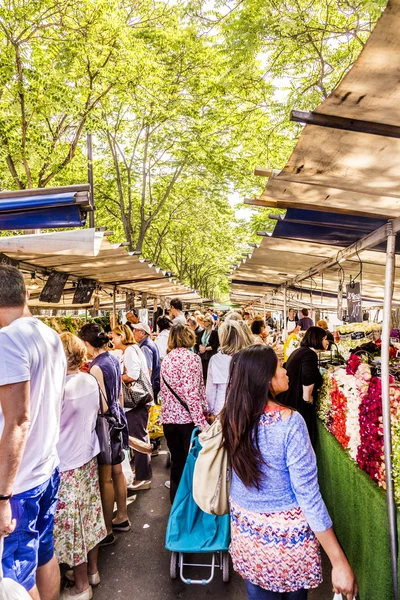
74 324
355 334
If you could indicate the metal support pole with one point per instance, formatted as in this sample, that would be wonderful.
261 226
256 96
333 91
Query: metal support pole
387 433
284 314
90 177
114 319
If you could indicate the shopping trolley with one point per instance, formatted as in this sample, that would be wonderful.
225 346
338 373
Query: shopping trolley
192 531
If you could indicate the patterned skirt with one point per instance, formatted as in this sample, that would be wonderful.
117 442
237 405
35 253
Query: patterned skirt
276 551
78 524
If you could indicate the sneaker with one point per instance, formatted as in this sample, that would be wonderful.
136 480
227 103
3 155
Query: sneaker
123 527
142 485
168 484
109 540
94 579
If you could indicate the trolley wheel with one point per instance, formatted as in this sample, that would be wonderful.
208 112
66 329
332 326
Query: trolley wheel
173 565
168 462
225 567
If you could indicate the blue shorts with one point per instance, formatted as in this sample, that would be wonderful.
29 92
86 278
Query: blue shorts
31 544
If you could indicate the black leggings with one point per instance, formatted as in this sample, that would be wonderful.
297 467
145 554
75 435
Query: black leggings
178 440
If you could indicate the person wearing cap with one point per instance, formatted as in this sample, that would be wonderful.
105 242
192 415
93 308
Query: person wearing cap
142 333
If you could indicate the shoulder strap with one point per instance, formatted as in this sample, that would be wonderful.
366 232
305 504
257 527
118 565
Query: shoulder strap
181 402
101 395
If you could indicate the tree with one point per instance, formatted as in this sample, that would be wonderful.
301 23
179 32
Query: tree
59 59
183 99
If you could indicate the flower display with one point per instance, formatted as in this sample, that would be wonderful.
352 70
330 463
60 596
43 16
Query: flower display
350 406
324 404
370 452
352 364
338 413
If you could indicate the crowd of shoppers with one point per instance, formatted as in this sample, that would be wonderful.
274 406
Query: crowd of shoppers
57 501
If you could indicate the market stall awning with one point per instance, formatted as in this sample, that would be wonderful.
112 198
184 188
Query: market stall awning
45 208
111 266
278 260
346 171
326 227
81 242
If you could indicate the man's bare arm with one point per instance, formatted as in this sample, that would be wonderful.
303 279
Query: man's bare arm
14 401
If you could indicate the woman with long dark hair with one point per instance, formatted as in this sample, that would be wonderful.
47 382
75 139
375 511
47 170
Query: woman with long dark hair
304 376
277 512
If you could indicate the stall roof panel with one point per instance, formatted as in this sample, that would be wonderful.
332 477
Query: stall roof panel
278 260
346 171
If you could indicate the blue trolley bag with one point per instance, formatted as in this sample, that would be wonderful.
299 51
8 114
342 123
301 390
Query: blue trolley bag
190 530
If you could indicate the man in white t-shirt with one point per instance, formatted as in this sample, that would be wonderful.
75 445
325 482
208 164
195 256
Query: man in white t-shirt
32 377
176 311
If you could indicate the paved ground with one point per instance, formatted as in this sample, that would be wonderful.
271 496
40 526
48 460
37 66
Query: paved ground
137 567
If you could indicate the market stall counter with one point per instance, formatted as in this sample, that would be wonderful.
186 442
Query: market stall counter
359 512
350 454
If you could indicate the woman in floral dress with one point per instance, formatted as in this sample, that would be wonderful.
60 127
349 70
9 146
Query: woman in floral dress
79 524
278 517
183 398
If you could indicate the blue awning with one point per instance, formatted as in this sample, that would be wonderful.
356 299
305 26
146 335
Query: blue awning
45 218
44 209
327 228
36 202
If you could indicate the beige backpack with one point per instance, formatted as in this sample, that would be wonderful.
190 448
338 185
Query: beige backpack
212 472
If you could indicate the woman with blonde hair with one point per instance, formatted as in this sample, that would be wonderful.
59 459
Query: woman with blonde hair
79 524
183 398
233 337
134 364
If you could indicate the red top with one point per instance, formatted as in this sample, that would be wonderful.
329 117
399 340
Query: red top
270 408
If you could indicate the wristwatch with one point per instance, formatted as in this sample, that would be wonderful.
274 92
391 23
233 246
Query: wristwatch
2 497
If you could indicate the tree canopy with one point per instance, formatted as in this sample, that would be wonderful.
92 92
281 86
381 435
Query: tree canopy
183 99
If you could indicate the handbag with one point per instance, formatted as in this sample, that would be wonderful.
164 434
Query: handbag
127 469
109 432
155 427
339 597
139 393
212 472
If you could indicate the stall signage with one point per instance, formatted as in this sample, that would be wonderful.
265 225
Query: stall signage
54 287
5 260
354 303
84 291
358 335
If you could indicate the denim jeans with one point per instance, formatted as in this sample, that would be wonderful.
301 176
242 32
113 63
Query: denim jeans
255 592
